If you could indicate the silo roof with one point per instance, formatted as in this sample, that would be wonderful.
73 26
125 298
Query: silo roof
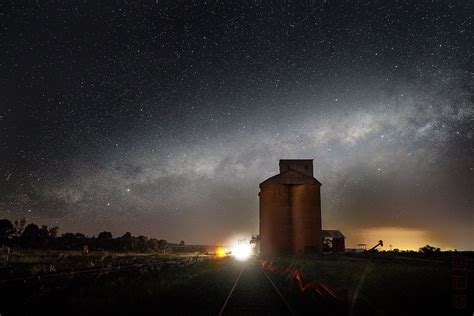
332 233
291 177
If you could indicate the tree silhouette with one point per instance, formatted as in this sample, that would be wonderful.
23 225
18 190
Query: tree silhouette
429 249
53 231
19 226
105 235
6 229
162 245
34 237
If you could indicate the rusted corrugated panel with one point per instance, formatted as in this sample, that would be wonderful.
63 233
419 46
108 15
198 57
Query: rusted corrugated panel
291 177
332 233
338 245
306 219
275 222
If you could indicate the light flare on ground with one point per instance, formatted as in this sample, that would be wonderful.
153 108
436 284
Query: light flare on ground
242 252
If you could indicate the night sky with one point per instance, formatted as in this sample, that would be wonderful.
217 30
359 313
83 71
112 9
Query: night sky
161 118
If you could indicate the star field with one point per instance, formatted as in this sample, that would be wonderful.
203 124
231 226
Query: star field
162 117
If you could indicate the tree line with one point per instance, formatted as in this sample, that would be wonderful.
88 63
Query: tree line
31 236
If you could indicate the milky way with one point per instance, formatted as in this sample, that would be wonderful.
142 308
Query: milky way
162 118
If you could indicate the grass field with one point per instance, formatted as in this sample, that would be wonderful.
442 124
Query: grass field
31 262
118 283
391 284
186 284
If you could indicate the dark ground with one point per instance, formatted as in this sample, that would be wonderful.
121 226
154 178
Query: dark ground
378 284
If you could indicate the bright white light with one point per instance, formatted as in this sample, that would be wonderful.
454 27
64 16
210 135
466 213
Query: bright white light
242 252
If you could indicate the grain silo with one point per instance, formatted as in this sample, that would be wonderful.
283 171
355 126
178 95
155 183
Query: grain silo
290 210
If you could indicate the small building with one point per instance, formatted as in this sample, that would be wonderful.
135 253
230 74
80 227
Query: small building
334 241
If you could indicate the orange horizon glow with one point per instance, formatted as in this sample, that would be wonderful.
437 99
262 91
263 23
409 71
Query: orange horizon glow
396 237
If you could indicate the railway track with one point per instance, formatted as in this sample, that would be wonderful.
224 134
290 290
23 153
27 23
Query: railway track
254 293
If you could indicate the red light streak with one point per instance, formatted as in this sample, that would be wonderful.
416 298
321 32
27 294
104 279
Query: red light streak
297 275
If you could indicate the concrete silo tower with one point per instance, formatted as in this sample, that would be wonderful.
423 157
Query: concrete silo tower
290 210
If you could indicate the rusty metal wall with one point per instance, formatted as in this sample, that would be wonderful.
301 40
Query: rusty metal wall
275 220
338 245
306 219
